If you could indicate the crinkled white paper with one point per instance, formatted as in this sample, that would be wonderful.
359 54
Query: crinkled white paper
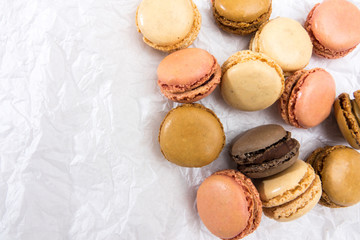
79 117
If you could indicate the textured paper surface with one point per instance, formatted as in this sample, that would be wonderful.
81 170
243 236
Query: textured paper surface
79 117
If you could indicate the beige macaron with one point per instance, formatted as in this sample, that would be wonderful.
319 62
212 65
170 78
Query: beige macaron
285 41
290 194
168 25
251 81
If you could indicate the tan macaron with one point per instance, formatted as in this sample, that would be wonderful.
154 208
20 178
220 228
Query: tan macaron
347 114
338 168
168 25
191 135
290 194
285 41
251 81
241 16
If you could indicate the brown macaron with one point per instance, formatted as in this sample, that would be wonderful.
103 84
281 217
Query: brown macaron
264 151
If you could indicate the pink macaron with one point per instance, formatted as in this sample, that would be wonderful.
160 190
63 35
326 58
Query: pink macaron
308 97
229 204
333 26
188 75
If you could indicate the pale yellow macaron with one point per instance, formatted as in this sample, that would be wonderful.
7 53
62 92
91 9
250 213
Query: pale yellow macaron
285 41
251 81
290 194
168 25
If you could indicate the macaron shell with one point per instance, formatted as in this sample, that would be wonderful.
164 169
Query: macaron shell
285 41
222 206
298 207
340 176
165 22
314 95
257 138
335 24
185 69
242 10
346 121
191 136
287 185
251 81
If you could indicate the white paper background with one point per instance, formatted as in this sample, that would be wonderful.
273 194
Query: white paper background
79 117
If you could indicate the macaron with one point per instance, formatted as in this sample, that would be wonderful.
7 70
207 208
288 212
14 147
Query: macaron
251 81
290 194
285 41
168 25
188 75
264 151
333 26
338 168
241 16
308 98
347 114
191 135
229 205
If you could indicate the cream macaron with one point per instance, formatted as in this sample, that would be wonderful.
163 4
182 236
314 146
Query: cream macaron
251 81
168 25
290 194
285 41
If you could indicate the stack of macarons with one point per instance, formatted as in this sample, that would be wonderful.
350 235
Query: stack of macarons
269 177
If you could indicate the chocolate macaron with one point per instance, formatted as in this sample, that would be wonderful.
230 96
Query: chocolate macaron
347 114
188 75
338 168
333 26
308 98
264 151
229 205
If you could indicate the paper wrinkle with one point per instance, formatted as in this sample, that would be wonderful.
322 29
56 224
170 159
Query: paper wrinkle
79 122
